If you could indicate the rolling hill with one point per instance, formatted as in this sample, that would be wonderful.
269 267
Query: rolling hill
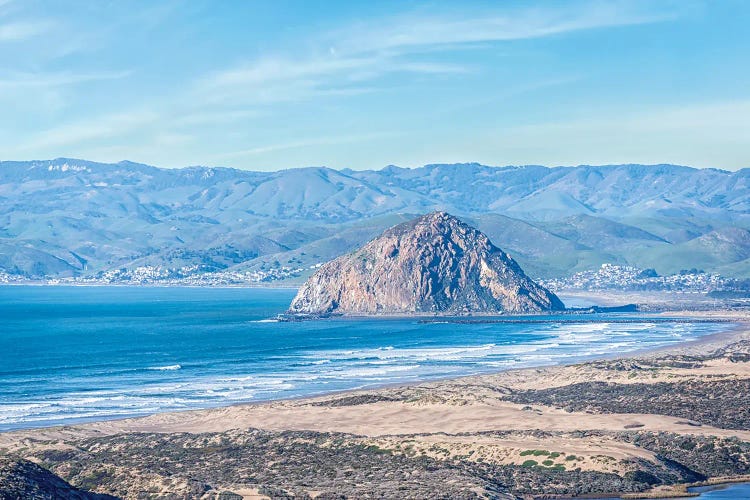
68 217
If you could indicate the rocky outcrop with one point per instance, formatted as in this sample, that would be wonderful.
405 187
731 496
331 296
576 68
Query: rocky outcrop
434 264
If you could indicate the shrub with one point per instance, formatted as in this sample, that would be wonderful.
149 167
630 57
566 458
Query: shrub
536 453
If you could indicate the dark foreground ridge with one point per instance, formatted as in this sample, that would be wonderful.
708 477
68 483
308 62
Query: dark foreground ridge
290 464
435 264
24 479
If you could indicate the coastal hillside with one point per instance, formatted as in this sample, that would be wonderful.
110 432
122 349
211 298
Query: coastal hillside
432 264
129 222
24 479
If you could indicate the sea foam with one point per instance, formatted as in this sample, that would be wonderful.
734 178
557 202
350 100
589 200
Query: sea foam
166 368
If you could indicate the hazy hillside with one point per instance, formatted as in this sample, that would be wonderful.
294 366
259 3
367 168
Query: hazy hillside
68 217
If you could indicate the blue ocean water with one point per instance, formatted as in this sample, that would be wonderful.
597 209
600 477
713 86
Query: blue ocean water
723 492
71 354
734 491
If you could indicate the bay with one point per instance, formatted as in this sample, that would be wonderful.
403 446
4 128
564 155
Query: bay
73 354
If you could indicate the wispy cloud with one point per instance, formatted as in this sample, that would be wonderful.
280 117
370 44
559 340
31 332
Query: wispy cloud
113 125
279 79
274 70
417 31
16 31
281 69
57 79
365 52
317 141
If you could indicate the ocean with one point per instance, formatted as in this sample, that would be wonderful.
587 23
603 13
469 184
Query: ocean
74 354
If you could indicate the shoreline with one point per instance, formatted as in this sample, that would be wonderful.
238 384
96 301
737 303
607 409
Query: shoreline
739 331
586 441
683 490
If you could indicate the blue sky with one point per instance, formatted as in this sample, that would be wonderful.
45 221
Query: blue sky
279 84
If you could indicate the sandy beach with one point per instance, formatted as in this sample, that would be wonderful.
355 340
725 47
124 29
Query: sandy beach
614 425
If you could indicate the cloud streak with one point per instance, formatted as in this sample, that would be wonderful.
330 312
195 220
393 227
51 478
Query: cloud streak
113 125
416 31
57 79
318 141
17 31
365 52
281 79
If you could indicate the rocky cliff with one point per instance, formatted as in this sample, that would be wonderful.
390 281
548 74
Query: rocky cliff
433 264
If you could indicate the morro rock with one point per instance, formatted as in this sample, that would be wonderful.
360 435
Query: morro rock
434 264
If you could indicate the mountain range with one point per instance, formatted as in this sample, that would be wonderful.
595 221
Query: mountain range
69 217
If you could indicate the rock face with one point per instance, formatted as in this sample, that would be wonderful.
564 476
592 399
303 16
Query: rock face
434 264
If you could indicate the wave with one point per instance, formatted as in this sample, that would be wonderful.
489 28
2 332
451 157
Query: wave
391 355
300 371
166 368
369 372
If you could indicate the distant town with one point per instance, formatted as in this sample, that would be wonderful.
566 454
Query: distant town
194 275
629 278
606 277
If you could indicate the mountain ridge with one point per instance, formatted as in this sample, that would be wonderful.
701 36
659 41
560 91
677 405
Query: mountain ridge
113 216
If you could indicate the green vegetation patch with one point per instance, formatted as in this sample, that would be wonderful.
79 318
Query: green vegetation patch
536 453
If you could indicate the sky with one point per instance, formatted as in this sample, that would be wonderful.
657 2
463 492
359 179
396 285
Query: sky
269 85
